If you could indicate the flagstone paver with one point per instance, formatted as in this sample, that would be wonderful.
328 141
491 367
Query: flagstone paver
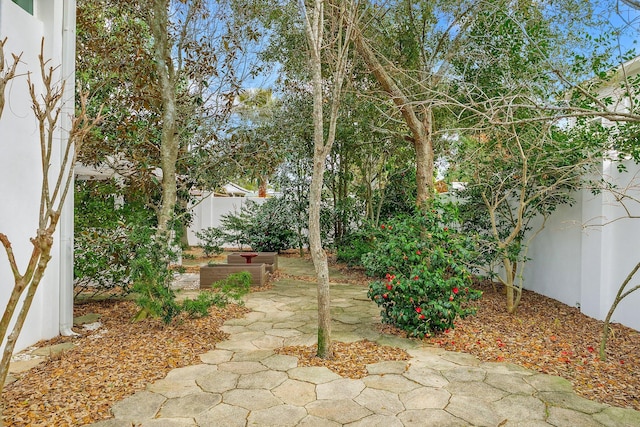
243 382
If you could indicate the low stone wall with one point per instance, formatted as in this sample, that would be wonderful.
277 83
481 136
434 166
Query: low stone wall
213 273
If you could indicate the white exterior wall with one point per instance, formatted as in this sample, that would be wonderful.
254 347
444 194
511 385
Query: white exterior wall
209 212
20 170
582 257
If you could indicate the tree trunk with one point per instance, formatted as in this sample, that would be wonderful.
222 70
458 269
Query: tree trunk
262 187
421 129
314 35
314 26
170 143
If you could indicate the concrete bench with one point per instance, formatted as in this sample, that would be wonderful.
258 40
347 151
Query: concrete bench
269 258
213 273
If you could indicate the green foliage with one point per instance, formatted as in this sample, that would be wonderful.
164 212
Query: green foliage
101 261
199 307
108 237
355 244
271 226
151 277
231 289
266 227
155 297
399 195
424 261
211 240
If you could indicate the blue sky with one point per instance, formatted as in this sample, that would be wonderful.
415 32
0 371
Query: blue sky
622 18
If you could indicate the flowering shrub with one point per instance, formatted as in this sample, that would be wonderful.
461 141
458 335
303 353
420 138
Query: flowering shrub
422 261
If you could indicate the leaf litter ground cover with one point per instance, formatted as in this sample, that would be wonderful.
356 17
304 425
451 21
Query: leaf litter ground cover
108 364
120 358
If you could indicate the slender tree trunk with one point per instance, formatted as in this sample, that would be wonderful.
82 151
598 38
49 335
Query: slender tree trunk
320 152
619 297
314 26
262 187
170 142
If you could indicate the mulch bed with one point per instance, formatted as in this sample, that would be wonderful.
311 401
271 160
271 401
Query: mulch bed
350 360
108 364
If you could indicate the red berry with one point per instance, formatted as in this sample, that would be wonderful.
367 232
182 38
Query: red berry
422 317
455 291
385 296
389 287
451 298
418 310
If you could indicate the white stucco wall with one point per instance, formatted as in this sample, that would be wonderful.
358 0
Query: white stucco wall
20 170
554 269
586 251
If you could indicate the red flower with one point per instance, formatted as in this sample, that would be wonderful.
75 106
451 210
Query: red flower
455 291
385 296
422 317
418 310
389 287
387 276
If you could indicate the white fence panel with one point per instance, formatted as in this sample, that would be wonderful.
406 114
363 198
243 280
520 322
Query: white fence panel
209 211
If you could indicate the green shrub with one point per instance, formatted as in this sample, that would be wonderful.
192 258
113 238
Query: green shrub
351 248
108 236
151 277
271 227
422 261
231 289
199 307
266 227
211 240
